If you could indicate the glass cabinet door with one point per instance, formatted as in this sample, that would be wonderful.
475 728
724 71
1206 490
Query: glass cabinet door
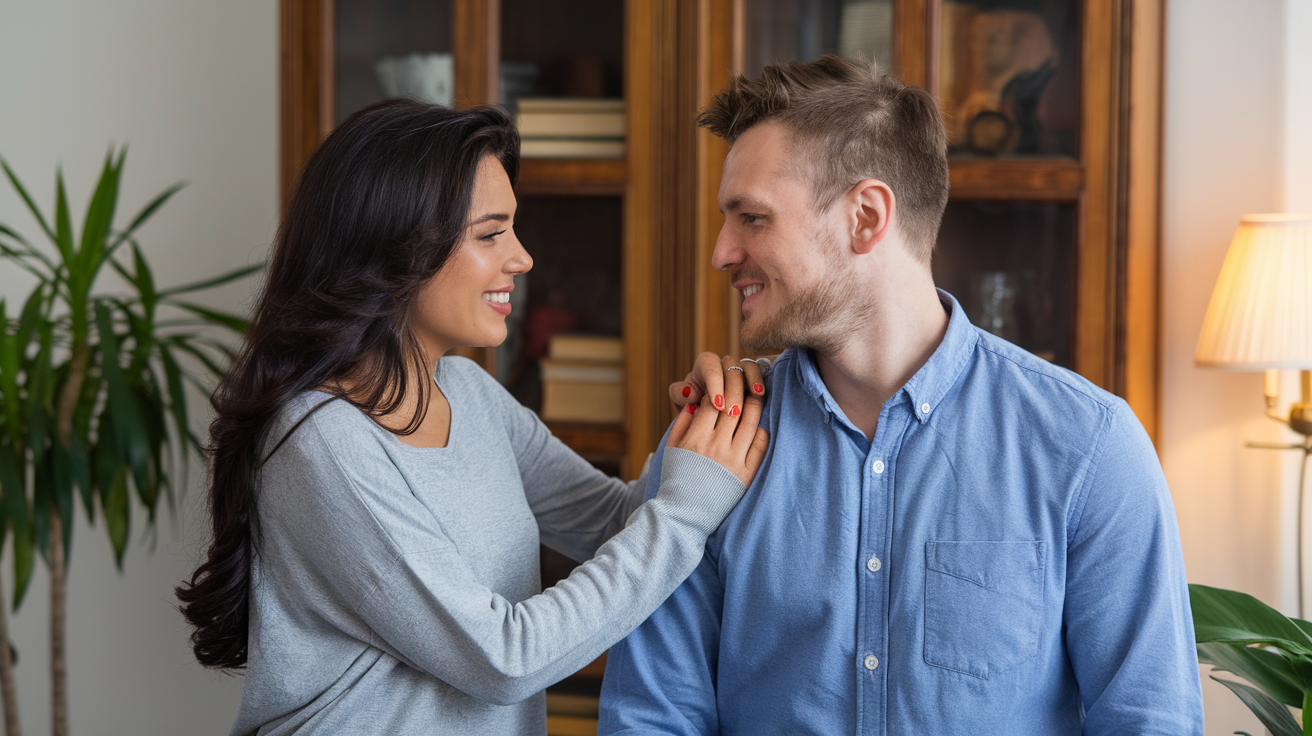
779 30
392 48
1008 76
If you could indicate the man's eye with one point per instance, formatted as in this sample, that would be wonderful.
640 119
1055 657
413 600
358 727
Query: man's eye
752 219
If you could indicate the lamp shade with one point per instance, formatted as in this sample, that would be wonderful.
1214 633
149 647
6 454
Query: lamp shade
1260 315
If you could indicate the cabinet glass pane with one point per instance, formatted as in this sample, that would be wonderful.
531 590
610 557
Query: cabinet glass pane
392 48
779 30
551 49
573 288
1009 76
1011 265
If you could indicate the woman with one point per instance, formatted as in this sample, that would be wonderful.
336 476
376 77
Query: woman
377 511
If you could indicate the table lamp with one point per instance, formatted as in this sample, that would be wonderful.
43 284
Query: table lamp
1260 318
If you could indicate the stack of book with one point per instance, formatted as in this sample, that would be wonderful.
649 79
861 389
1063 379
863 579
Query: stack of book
566 127
582 379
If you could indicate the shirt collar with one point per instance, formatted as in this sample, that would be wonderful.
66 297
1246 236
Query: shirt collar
929 385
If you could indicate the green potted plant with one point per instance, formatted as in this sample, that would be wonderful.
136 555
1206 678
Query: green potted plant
92 399
1239 634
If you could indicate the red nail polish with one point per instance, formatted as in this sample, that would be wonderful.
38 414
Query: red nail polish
692 408
758 388
687 391
733 411
719 402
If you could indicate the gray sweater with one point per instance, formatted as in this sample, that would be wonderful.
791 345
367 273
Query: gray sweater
396 589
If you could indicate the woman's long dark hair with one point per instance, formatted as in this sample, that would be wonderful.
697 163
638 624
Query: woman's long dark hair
379 209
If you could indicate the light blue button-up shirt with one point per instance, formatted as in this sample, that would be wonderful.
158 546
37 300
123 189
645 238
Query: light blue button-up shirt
1002 558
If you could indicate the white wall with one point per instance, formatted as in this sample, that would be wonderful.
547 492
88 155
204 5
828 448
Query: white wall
192 85
1238 107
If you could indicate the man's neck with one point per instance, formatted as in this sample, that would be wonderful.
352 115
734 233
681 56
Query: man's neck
903 329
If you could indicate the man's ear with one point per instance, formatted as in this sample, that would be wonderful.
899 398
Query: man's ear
872 207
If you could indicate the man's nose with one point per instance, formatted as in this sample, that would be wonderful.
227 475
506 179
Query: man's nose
727 254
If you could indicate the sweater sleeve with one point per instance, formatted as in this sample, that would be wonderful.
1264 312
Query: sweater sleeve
422 603
577 507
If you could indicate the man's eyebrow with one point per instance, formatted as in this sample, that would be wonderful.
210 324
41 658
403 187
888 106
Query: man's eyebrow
743 203
496 216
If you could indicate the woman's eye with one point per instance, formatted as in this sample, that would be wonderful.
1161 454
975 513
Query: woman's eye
492 236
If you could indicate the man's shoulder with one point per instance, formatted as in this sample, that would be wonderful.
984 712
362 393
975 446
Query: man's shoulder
1018 373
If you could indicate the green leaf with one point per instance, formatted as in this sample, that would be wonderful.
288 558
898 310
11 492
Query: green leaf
43 498
211 283
145 281
1265 669
146 212
1269 711
79 468
24 561
1238 618
187 347
64 226
12 482
231 321
117 516
27 199
63 494
177 404
100 215
129 429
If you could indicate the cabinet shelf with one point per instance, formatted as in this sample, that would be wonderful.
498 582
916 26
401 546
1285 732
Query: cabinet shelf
595 442
586 176
1046 179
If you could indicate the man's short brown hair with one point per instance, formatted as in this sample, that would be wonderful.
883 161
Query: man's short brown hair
849 121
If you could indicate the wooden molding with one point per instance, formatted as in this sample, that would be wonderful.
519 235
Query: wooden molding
477 46
1045 179
572 176
1143 150
306 79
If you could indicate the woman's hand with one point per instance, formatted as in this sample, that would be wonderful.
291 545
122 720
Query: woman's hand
732 437
707 378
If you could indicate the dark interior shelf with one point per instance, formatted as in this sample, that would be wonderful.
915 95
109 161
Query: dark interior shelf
1043 179
597 176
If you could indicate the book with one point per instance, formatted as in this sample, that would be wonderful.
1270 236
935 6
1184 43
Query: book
582 391
570 124
571 148
558 371
586 105
575 347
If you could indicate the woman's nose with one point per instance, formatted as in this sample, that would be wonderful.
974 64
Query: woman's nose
520 261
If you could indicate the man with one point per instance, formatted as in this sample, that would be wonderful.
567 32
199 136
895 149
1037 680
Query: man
948 535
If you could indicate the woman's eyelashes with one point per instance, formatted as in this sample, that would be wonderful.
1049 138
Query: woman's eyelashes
492 236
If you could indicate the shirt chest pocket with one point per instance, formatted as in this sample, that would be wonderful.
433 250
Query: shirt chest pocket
983 605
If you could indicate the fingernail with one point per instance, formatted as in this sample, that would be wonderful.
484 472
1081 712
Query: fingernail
758 388
733 411
687 391
692 408
719 402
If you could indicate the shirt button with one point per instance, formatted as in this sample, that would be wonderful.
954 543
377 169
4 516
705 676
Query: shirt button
874 564
924 408
878 467
871 662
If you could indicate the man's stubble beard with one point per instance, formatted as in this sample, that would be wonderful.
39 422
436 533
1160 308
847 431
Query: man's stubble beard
821 318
